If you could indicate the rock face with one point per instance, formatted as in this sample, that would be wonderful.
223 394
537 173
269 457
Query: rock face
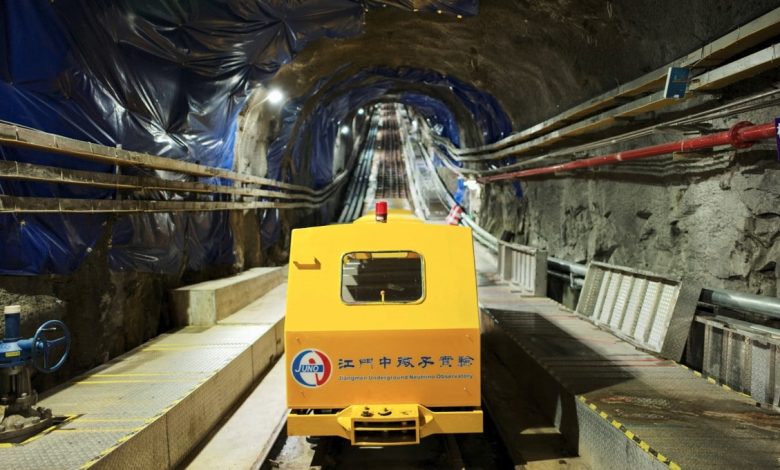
721 230
537 58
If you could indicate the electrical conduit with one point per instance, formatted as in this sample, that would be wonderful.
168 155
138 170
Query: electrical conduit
741 135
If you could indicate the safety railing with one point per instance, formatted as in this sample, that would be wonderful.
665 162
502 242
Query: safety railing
523 267
742 355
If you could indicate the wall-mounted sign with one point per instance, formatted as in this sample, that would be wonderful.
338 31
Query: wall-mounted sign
676 82
777 137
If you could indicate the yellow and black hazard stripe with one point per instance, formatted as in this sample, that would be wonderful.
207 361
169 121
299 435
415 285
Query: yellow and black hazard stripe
631 435
140 428
66 420
714 381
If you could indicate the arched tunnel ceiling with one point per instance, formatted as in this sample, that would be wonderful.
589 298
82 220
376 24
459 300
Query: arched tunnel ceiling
536 57
170 78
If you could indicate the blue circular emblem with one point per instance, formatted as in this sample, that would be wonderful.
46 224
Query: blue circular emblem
311 368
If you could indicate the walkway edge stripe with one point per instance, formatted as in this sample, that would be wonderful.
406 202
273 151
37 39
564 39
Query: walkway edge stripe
644 445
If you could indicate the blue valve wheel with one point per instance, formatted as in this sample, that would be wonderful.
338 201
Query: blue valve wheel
42 346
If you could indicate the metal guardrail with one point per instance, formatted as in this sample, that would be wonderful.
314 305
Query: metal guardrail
523 267
739 301
742 355
483 236
762 305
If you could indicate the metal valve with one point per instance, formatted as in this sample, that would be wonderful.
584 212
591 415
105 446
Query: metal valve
46 352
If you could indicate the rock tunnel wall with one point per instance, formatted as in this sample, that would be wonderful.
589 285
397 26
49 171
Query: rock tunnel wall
537 58
713 219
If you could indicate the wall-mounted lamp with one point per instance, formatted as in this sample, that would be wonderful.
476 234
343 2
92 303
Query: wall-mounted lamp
275 96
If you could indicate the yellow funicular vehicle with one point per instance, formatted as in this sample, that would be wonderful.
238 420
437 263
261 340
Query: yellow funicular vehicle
382 331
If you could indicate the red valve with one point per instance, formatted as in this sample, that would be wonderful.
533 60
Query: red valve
381 211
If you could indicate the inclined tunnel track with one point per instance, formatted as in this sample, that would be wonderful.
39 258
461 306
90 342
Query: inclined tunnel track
358 184
384 154
380 171
391 173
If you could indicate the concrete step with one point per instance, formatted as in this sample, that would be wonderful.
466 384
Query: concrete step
208 302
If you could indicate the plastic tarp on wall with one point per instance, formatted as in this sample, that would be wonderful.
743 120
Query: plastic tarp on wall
167 77
316 134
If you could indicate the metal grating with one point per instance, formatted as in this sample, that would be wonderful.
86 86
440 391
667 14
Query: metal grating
744 356
650 311
524 268
150 406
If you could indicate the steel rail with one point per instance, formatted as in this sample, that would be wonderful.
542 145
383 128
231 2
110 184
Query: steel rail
359 181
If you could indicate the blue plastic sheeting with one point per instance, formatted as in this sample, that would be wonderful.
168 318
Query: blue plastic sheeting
436 112
518 189
34 92
460 192
336 101
270 229
164 77
143 242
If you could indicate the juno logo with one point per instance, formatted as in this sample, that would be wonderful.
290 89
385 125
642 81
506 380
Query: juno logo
311 368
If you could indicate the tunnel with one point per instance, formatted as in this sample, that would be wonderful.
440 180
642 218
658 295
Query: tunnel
614 162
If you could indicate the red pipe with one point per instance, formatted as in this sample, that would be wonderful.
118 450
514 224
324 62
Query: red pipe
741 135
